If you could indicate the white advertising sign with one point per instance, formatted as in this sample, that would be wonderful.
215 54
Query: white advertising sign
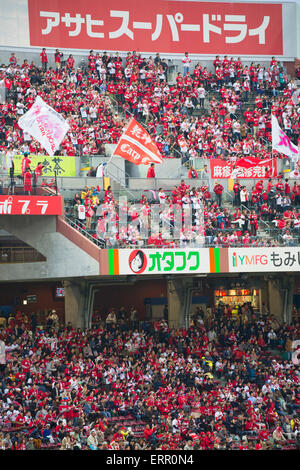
264 259
166 261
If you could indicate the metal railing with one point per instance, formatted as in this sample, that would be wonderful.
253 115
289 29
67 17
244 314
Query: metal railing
118 175
80 227
22 254
254 242
202 242
15 185
267 227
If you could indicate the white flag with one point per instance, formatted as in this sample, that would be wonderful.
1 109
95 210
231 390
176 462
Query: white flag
281 142
44 124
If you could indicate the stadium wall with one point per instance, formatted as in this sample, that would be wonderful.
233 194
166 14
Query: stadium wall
65 258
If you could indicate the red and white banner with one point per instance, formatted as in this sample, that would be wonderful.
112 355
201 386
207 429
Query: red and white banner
44 124
281 142
165 26
137 146
31 205
248 167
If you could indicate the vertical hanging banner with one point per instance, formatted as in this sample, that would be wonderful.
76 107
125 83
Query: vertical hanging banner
159 26
44 124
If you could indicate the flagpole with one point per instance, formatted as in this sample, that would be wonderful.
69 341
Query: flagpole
272 151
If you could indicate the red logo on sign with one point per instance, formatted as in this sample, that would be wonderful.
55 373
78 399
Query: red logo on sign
137 261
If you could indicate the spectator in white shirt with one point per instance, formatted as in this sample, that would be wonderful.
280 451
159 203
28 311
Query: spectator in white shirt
186 60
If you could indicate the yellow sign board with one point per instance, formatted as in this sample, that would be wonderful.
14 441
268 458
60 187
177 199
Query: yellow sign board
230 184
106 182
63 166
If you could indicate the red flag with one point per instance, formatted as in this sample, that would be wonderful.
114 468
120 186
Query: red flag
137 146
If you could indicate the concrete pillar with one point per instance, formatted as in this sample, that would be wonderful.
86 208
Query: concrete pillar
174 305
289 283
281 293
275 299
75 303
264 295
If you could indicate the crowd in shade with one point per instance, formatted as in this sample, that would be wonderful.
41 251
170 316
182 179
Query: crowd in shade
228 381
99 97
193 215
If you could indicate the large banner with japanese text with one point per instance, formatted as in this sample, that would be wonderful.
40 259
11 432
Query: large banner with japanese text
62 166
194 261
164 26
222 169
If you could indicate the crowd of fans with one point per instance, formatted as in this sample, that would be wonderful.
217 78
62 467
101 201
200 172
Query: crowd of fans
125 384
98 97
220 384
91 95
192 215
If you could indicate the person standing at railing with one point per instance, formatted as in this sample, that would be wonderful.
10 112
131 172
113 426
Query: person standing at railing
108 195
10 154
37 174
244 196
44 59
218 190
25 163
186 61
79 212
280 186
192 172
151 171
253 219
259 186
89 212
237 189
28 181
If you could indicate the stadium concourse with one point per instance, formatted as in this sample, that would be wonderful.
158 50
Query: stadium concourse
178 362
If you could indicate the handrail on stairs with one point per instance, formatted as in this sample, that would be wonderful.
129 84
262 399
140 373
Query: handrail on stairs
125 176
267 226
100 242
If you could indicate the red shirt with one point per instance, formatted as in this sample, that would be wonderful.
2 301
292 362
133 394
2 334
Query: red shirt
44 57
151 172
27 181
39 169
218 189
25 164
